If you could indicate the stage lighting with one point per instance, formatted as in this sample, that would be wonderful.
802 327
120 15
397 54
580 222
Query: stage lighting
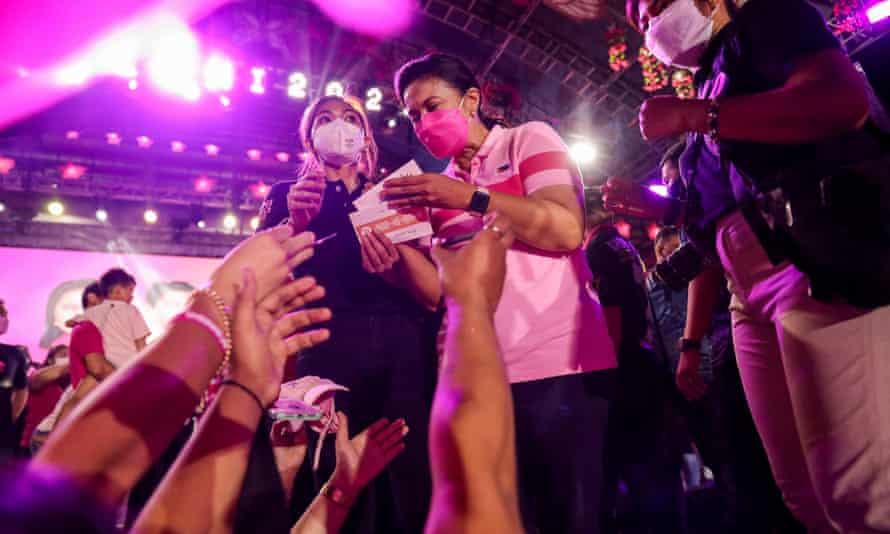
101 215
259 190
150 216
113 138
660 190
72 135
219 74
204 185
22 72
283 157
878 12
258 87
254 222
623 228
73 172
177 146
133 84
375 96
55 208
254 154
144 141
230 221
652 231
392 123
404 112
583 152
173 61
6 165
225 101
334 88
2 207
202 224
73 75
296 85
212 150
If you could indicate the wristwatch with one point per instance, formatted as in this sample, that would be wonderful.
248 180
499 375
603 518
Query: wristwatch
688 344
334 494
479 201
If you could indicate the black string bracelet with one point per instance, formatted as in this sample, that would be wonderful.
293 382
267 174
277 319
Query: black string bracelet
245 389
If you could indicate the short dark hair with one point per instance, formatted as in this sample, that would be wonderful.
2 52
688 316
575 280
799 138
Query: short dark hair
115 277
673 154
667 232
92 289
450 69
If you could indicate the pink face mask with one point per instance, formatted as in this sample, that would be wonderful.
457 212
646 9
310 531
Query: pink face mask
444 132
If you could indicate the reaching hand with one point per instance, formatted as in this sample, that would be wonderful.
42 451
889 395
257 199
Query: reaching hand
689 380
667 116
475 273
427 190
304 200
362 458
378 252
271 255
261 332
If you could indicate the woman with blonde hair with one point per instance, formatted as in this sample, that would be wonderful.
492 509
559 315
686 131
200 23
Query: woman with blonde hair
379 349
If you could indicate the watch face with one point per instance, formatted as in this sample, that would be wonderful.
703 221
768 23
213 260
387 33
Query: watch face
479 202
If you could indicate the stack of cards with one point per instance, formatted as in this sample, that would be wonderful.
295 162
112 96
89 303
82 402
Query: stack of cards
398 225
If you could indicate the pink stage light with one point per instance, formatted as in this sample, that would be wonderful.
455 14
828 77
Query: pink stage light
258 87
173 61
6 165
878 12
73 172
133 84
225 101
204 185
652 231
254 154
72 135
219 74
660 190
144 141
177 146
259 190
381 18
212 150
22 72
113 138
623 228
283 157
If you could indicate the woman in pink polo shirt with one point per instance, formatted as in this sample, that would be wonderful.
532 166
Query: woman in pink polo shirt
550 328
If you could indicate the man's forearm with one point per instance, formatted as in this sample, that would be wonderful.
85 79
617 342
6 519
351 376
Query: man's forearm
704 290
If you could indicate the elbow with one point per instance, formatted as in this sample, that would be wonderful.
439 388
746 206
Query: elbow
569 241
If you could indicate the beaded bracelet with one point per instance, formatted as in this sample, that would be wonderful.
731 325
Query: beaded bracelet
208 325
223 311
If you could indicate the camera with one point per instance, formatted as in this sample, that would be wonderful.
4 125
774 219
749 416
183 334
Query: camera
678 269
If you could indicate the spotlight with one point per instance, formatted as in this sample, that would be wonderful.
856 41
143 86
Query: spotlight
392 123
623 228
101 215
55 208
296 85
177 146
660 190
202 224
652 231
212 150
133 84
113 138
257 87
254 222
192 93
334 88
254 154
583 152
404 112
144 141
878 12
73 75
2 207
219 74
283 157
72 135
6 165
73 172
259 190
22 72
204 185
173 61
230 221
150 216
225 101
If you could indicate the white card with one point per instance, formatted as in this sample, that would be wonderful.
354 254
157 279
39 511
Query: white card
371 198
398 225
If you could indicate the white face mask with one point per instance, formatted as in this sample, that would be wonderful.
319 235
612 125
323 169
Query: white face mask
679 35
338 142
4 325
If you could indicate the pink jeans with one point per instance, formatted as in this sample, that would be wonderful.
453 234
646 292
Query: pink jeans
817 379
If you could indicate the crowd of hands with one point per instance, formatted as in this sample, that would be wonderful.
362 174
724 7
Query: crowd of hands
116 434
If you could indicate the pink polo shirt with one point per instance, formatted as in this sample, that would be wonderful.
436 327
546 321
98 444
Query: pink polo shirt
549 322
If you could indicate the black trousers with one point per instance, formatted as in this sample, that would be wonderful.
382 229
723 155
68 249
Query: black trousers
389 364
560 430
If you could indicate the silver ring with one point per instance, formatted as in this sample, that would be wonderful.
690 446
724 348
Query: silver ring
499 231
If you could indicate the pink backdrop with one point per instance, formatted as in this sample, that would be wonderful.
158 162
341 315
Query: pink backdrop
42 289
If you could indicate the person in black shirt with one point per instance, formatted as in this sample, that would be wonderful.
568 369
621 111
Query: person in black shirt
382 344
637 417
13 390
778 104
